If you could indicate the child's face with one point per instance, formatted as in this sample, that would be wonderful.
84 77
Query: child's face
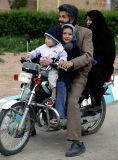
67 35
49 42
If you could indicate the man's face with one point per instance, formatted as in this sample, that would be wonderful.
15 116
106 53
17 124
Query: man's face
63 18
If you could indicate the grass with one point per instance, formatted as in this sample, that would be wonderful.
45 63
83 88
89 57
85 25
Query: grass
2 60
18 44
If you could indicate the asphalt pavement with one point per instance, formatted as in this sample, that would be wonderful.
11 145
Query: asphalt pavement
52 145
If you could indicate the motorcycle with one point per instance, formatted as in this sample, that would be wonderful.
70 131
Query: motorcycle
18 117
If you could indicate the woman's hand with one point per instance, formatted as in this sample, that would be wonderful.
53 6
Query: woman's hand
65 64
45 61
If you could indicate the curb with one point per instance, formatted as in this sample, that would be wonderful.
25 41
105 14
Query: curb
113 90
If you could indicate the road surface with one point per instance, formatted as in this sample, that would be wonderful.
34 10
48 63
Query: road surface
52 145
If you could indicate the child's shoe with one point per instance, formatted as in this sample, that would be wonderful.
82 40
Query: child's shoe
51 101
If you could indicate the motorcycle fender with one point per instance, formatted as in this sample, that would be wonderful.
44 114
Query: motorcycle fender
9 104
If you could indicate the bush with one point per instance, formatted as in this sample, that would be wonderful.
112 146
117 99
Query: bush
20 22
112 21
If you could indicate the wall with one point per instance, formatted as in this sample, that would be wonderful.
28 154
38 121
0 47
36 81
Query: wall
48 5
32 4
4 5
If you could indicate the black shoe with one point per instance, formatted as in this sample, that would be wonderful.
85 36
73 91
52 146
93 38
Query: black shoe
33 133
76 149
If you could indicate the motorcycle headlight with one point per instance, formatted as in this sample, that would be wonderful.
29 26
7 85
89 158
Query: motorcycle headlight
25 77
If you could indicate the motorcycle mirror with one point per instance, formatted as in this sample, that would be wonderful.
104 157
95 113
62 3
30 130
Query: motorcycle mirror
27 37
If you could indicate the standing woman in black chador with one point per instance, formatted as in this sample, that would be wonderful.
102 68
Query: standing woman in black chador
104 54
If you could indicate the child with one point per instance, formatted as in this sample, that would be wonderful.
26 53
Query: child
68 35
54 50
65 78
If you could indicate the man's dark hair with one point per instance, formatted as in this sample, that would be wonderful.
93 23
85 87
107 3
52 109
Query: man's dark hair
71 10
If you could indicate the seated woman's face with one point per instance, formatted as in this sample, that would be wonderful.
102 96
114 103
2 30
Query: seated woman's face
88 20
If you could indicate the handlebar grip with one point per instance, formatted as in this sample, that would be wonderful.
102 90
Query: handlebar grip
22 60
62 68
54 65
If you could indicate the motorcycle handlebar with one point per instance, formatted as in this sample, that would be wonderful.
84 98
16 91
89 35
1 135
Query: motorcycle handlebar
53 65
22 60
56 66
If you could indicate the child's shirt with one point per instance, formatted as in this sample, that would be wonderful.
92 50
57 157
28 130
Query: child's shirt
57 52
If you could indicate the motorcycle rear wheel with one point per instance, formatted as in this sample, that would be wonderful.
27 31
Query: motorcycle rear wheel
11 140
93 127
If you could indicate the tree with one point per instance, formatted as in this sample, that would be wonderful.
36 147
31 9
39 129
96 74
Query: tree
16 4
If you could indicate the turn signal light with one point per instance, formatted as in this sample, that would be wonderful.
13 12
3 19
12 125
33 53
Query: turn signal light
38 81
16 77
110 79
37 89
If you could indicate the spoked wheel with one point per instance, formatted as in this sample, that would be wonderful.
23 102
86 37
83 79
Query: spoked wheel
92 127
44 116
11 140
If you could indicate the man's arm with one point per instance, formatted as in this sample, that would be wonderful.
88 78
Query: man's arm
86 51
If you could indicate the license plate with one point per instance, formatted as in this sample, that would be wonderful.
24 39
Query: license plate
25 77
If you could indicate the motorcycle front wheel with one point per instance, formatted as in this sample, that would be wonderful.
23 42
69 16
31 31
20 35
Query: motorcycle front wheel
92 127
13 141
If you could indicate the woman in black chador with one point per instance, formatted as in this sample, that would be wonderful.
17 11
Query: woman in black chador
104 54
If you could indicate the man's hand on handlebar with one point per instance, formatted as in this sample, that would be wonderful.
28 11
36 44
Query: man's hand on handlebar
65 64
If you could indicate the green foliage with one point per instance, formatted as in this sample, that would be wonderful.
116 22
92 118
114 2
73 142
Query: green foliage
18 44
116 43
2 60
81 21
112 20
22 21
16 4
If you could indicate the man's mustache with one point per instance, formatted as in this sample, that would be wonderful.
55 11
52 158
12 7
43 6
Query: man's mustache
61 22
64 22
